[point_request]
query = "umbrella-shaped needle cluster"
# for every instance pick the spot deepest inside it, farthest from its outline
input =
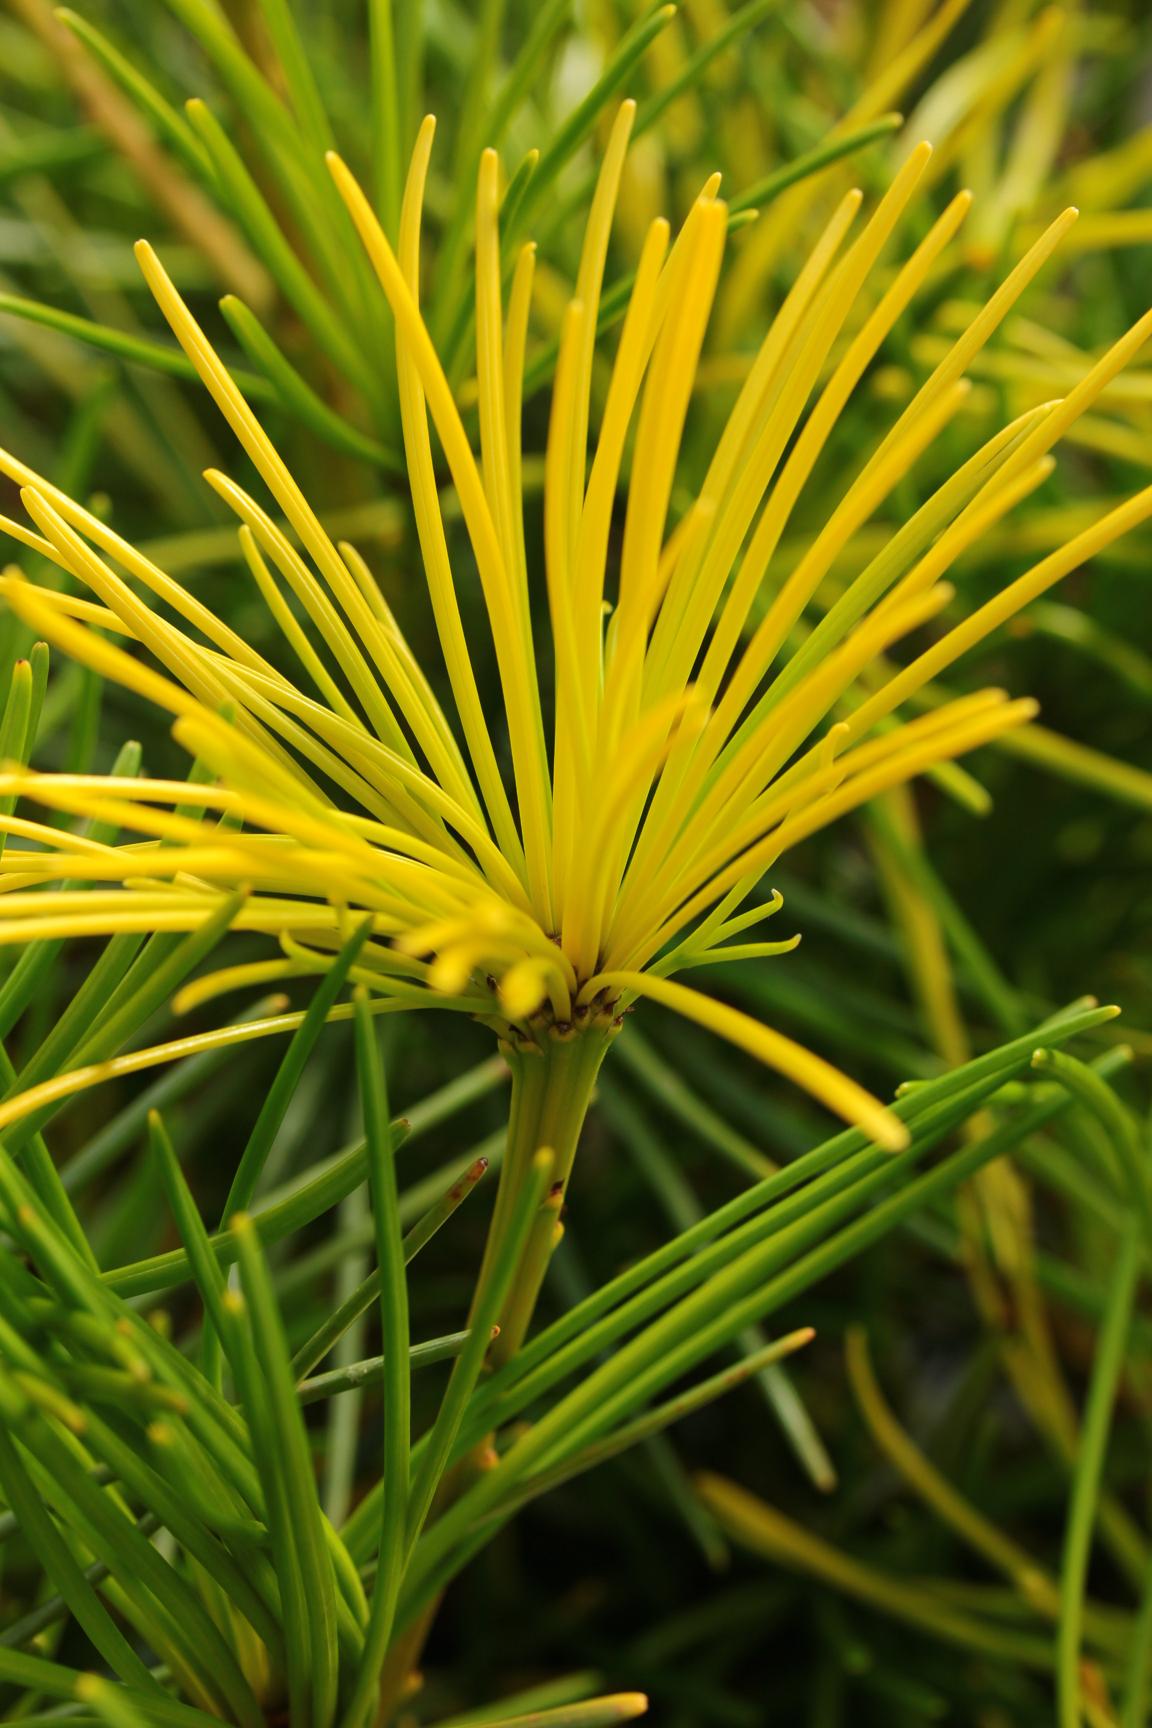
(543, 863)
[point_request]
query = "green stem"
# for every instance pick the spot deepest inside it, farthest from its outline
(552, 1086)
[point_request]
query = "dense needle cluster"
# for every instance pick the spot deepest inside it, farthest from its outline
(712, 710)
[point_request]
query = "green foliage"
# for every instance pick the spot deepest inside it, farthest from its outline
(223, 1259)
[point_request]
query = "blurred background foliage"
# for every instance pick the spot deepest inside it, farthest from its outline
(935, 925)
